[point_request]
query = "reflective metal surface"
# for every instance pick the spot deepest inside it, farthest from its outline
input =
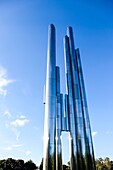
(72, 119)
(89, 152)
(50, 106)
(58, 122)
(68, 113)
(77, 105)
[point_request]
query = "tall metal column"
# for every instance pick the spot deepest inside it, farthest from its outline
(68, 114)
(50, 106)
(72, 121)
(89, 152)
(58, 122)
(77, 104)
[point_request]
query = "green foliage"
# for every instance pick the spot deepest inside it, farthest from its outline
(101, 164)
(12, 164)
(104, 164)
(41, 165)
(29, 165)
(66, 167)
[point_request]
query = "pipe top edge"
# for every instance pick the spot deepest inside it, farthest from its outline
(69, 28)
(52, 26)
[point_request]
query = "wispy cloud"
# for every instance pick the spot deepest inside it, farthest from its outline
(11, 147)
(17, 145)
(14, 130)
(22, 117)
(4, 81)
(94, 133)
(17, 135)
(7, 113)
(15, 124)
(28, 153)
(19, 122)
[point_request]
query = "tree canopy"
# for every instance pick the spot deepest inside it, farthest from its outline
(12, 164)
(104, 164)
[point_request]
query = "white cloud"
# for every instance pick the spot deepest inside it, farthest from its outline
(28, 153)
(17, 133)
(10, 148)
(4, 81)
(7, 113)
(94, 133)
(14, 130)
(22, 117)
(17, 146)
(19, 122)
(3, 92)
(15, 125)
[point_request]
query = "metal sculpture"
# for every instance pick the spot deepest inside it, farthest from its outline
(73, 104)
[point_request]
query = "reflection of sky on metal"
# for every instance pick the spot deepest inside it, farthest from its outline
(65, 147)
(76, 117)
(23, 41)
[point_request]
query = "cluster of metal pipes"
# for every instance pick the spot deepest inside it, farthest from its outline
(68, 113)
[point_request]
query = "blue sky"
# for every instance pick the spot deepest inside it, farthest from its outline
(23, 48)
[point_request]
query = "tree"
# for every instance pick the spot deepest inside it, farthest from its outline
(12, 164)
(68, 163)
(65, 167)
(29, 165)
(104, 164)
(107, 162)
(41, 165)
